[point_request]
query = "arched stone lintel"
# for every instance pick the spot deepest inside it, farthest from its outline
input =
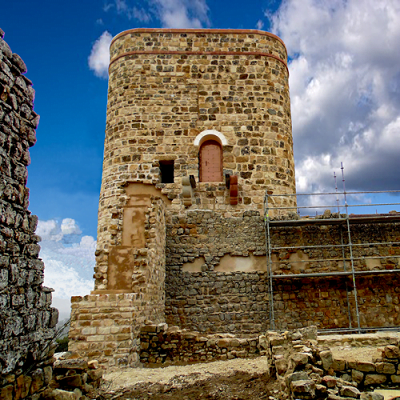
(210, 134)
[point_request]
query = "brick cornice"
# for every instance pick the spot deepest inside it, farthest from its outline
(218, 53)
(217, 31)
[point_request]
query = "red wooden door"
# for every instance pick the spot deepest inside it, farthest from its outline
(210, 162)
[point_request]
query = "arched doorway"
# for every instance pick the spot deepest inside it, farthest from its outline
(210, 161)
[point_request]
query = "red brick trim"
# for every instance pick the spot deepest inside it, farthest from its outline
(218, 31)
(218, 53)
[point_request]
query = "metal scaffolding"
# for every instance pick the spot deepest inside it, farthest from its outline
(288, 216)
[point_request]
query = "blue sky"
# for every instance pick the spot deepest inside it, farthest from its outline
(345, 97)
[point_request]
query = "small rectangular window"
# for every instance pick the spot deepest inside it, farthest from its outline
(167, 171)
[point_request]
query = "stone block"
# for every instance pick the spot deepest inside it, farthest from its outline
(339, 365)
(374, 379)
(299, 359)
(364, 366)
(304, 387)
(385, 368)
(392, 351)
(395, 379)
(47, 374)
(350, 391)
(88, 331)
(296, 376)
(329, 381)
(37, 381)
(326, 358)
(73, 363)
(357, 376)
(6, 392)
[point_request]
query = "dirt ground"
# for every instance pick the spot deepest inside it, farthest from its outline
(237, 379)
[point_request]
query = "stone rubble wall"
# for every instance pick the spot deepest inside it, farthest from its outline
(161, 345)
(105, 326)
(212, 300)
(27, 321)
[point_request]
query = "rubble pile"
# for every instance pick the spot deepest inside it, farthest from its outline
(73, 378)
(308, 371)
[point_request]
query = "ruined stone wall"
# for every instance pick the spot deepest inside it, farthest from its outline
(106, 325)
(216, 279)
(162, 345)
(166, 87)
(27, 322)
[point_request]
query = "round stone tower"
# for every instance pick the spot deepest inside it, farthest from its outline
(200, 118)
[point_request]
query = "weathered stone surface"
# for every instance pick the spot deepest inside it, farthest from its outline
(357, 376)
(374, 379)
(37, 381)
(326, 358)
(350, 391)
(304, 387)
(364, 366)
(371, 396)
(281, 366)
(296, 376)
(329, 381)
(6, 392)
(392, 351)
(385, 368)
(71, 363)
(299, 358)
(339, 365)
(27, 319)
(395, 379)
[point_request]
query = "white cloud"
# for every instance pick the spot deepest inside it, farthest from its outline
(99, 58)
(171, 13)
(345, 90)
(260, 24)
(182, 13)
(69, 227)
(68, 257)
(141, 14)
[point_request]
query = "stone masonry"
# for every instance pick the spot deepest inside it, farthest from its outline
(27, 322)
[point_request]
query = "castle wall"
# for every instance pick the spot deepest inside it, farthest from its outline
(208, 298)
(27, 322)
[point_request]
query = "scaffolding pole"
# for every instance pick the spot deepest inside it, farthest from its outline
(269, 265)
(342, 219)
